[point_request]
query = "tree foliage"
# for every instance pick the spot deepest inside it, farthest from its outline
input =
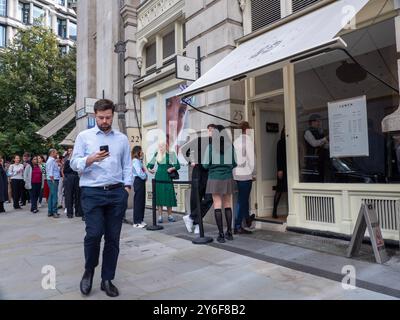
(37, 83)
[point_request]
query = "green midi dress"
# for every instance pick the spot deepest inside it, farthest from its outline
(165, 192)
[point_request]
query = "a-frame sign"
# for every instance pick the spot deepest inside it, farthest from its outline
(368, 218)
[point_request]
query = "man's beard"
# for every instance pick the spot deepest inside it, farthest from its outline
(105, 127)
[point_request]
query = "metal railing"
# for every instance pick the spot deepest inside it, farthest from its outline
(194, 184)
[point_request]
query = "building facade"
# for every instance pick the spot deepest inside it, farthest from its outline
(287, 94)
(58, 15)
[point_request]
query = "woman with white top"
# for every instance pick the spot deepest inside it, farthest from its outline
(244, 175)
(16, 173)
(139, 187)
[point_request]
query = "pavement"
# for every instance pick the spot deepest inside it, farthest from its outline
(166, 265)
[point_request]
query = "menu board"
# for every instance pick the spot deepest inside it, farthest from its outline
(348, 128)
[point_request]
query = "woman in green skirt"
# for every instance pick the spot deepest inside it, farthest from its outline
(165, 192)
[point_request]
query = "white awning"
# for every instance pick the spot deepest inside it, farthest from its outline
(57, 123)
(311, 34)
(69, 140)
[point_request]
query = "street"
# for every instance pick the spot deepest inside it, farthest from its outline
(152, 265)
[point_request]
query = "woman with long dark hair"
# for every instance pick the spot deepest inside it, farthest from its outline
(220, 161)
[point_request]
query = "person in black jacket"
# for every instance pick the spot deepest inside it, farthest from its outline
(3, 186)
(71, 189)
(281, 172)
(201, 174)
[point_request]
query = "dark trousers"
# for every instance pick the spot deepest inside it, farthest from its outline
(2, 206)
(206, 200)
(243, 206)
(17, 186)
(72, 195)
(104, 211)
(139, 200)
(35, 193)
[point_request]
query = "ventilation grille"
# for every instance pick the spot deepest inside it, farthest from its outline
(298, 5)
(320, 209)
(386, 211)
(264, 13)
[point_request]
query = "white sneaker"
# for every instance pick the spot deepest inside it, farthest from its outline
(138, 225)
(196, 229)
(144, 224)
(39, 205)
(188, 223)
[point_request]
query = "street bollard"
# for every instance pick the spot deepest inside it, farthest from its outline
(154, 227)
(202, 239)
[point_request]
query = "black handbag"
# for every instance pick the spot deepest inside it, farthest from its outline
(174, 175)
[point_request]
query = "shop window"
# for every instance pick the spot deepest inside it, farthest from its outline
(264, 13)
(269, 82)
(340, 109)
(169, 45)
(3, 8)
(151, 55)
(298, 5)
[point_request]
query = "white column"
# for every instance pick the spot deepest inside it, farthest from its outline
(31, 13)
(178, 38)
(54, 23)
(16, 14)
(159, 53)
(67, 34)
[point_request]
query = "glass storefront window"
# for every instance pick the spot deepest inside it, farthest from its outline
(269, 82)
(326, 134)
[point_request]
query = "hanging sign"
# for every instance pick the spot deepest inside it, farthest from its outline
(348, 128)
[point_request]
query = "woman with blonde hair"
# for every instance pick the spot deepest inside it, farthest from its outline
(167, 162)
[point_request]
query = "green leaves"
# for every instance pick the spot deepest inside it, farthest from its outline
(36, 84)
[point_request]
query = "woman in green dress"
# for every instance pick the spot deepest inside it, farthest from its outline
(165, 192)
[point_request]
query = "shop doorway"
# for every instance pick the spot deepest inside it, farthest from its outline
(268, 120)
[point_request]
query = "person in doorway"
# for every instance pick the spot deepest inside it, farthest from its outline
(281, 185)
(244, 175)
(316, 149)
(167, 161)
(16, 174)
(220, 184)
(3, 185)
(195, 153)
(139, 187)
(53, 176)
(102, 158)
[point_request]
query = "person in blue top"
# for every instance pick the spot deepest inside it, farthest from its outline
(102, 156)
(53, 176)
(139, 187)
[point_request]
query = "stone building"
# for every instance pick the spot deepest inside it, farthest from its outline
(276, 64)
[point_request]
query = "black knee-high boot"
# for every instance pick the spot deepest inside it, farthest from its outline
(218, 220)
(228, 216)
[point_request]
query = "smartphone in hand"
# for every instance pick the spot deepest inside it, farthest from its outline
(104, 148)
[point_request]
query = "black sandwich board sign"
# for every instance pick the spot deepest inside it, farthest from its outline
(368, 218)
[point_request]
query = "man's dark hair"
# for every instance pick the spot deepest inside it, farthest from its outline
(103, 105)
(211, 125)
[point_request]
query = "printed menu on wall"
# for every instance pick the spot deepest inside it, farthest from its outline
(348, 128)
